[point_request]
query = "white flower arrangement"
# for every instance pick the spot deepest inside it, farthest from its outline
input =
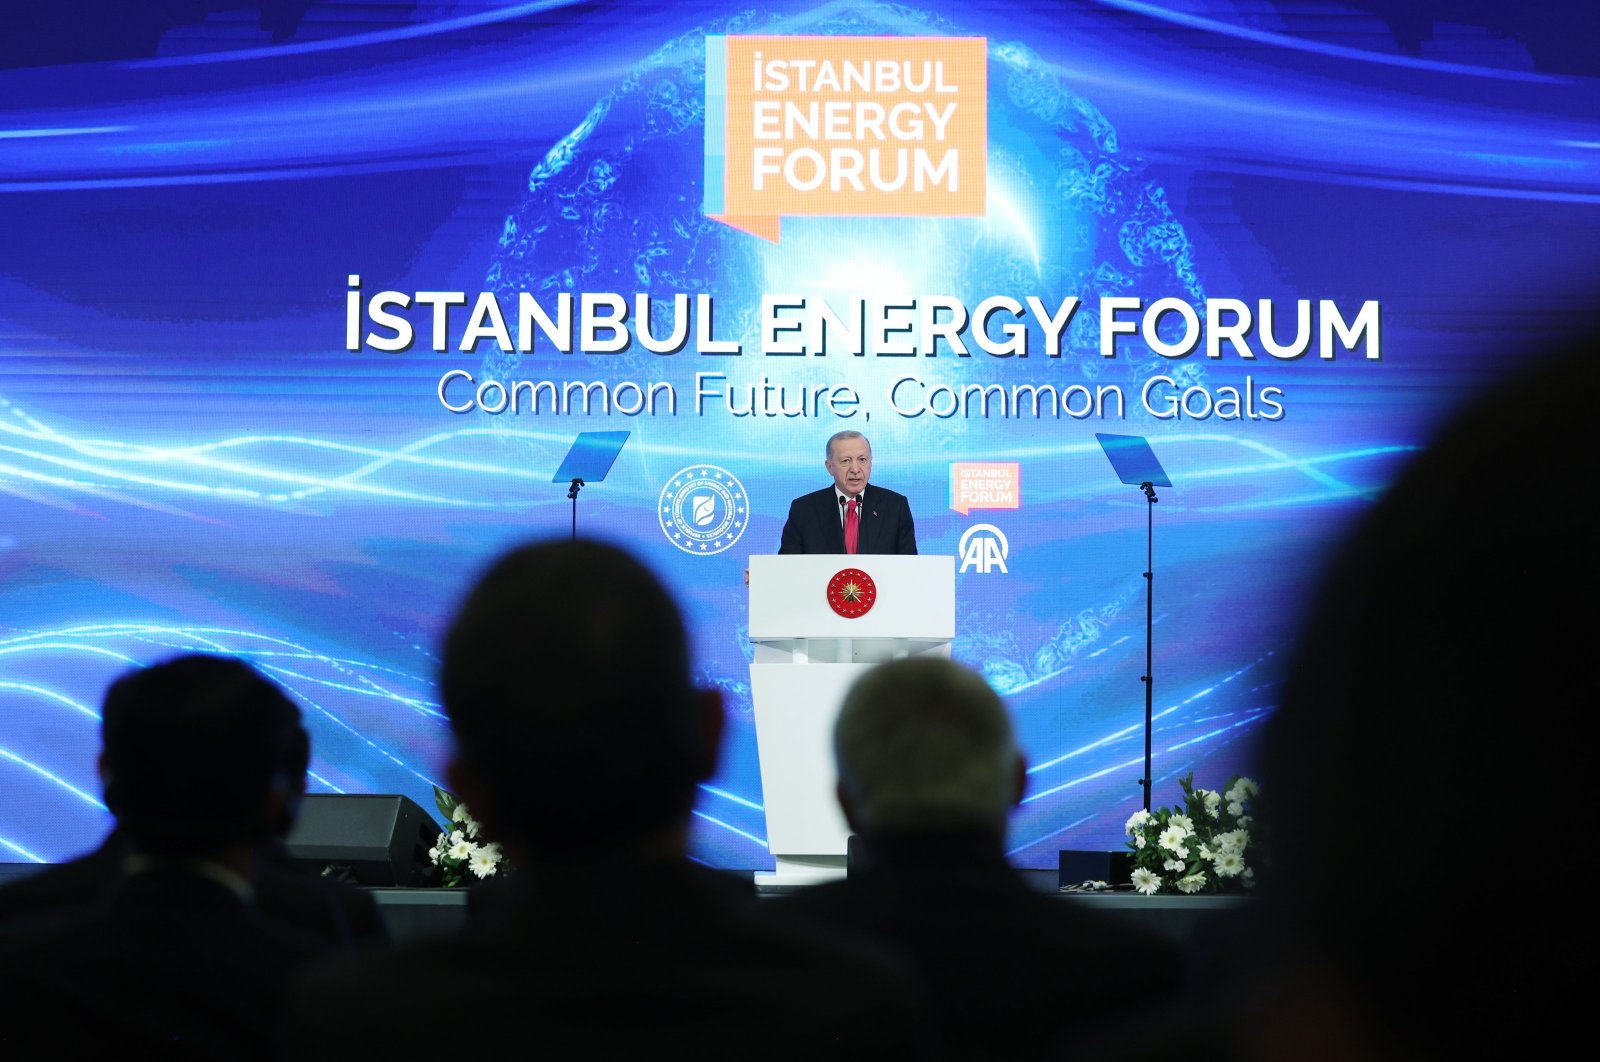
(1204, 846)
(462, 854)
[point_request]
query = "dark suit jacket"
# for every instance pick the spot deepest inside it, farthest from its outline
(1010, 972)
(626, 960)
(814, 525)
(170, 964)
(337, 914)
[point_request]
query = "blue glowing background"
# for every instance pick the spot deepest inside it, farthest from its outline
(190, 461)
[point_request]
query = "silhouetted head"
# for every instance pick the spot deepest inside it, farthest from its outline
(1414, 768)
(924, 744)
(566, 679)
(201, 753)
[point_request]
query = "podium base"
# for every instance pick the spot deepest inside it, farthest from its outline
(799, 871)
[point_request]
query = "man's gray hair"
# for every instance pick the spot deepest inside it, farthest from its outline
(924, 743)
(827, 451)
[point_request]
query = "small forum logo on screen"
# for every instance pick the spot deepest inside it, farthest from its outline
(844, 127)
(985, 485)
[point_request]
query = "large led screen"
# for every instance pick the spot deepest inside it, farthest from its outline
(301, 306)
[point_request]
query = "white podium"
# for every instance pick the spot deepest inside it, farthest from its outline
(806, 657)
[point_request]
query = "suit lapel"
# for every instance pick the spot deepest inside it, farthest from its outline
(833, 525)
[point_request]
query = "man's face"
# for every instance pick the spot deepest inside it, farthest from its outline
(850, 463)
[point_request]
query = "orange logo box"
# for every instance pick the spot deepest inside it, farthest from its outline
(844, 126)
(985, 485)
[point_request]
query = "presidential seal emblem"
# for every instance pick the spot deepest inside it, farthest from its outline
(703, 510)
(852, 593)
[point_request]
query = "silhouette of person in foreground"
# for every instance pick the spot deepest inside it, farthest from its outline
(928, 773)
(1435, 673)
(1419, 816)
(581, 741)
(340, 915)
(174, 959)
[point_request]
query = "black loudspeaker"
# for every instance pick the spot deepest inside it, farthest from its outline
(1113, 868)
(377, 839)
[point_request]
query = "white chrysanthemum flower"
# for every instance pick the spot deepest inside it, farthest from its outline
(1213, 802)
(1182, 822)
(1232, 841)
(1230, 864)
(1192, 883)
(1136, 820)
(1173, 865)
(1172, 838)
(1146, 882)
(471, 826)
(1206, 852)
(461, 848)
(1138, 840)
(484, 862)
(1245, 822)
(1235, 808)
(459, 814)
(433, 854)
(1242, 790)
(456, 837)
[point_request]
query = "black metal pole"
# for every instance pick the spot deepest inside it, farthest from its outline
(1148, 678)
(572, 492)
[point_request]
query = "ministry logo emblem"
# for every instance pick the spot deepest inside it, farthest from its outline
(703, 510)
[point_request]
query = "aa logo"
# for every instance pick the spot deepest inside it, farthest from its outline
(984, 549)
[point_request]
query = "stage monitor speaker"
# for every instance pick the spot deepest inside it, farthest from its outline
(1113, 868)
(377, 839)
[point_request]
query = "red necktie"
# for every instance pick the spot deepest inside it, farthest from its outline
(852, 526)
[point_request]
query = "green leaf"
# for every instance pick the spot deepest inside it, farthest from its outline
(446, 804)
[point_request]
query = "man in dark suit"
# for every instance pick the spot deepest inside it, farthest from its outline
(851, 516)
(581, 741)
(174, 958)
(928, 772)
(338, 914)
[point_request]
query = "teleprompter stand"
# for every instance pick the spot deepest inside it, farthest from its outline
(1135, 464)
(590, 459)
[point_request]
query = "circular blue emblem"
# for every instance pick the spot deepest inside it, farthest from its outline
(703, 509)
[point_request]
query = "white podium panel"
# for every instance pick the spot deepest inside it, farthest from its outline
(794, 735)
(806, 658)
(916, 598)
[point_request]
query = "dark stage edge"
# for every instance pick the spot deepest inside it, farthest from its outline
(429, 914)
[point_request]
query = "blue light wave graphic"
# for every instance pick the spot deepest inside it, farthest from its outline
(136, 471)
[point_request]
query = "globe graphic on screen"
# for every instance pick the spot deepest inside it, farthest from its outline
(616, 206)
